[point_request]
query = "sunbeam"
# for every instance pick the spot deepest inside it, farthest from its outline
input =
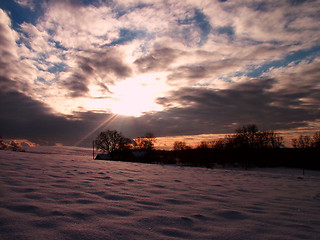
(105, 122)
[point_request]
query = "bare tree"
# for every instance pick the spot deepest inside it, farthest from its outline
(203, 145)
(303, 141)
(146, 142)
(220, 144)
(268, 139)
(111, 140)
(249, 137)
(245, 136)
(316, 140)
(180, 145)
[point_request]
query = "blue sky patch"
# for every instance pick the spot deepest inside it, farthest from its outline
(228, 30)
(20, 14)
(126, 35)
(58, 67)
(200, 21)
(119, 12)
(294, 57)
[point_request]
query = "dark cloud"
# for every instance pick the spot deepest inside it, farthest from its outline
(298, 2)
(110, 61)
(269, 103)
(5, 84)
(187, 111)
(77, 84)
(159, 59)
(105, 66)
(22, 117)
(7, 44)
(215, 68)
(190, 72)
(202, 71)
(194, 111)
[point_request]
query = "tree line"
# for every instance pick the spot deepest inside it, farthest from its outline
(307, 141)
(249, 137)
(111, 141)
(247, 147)
(245, 137)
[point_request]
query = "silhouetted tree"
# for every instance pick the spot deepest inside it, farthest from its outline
(305, 141)
(111, 140)
(316, 140)
(229, 141)
(219, 144)
(268, 139)
(180, 146)
(250, 137)
(246, 136)
(216, 144)
(146, 142)
(203, 145)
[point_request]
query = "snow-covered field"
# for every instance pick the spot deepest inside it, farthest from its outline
(67, 195)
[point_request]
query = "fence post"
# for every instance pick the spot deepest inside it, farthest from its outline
(93, 150)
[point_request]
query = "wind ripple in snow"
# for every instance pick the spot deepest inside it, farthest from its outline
(65, 196)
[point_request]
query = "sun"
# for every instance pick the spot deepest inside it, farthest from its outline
(130, 97)
(135, 96)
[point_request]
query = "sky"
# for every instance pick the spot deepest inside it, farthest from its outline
(70, 69)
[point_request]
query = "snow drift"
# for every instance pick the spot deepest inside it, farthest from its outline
(64, 194)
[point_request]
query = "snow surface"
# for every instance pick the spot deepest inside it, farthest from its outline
(67, 195)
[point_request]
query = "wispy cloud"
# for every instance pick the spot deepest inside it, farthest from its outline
(26, 3)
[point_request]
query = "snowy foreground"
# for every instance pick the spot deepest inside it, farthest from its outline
(67, 195)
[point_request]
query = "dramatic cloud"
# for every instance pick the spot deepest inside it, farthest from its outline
(158, 60)
(104, 67)
(171, 67)
(223, 110)
(8, 48)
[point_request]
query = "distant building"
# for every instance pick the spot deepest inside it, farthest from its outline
(103, 156)
(139, 154)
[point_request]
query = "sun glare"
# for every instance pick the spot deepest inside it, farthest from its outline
(135, 96)
(130, 97)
